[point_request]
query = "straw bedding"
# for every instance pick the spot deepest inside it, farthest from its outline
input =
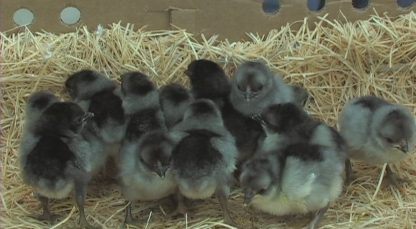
(334, 63)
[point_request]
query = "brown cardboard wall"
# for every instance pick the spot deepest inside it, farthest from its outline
(230, 19)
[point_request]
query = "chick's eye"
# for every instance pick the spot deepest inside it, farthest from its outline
(167, 162)
(262, 191)
(389, 140)
(70, 90)
(240, 87)
(258, 88)
(79, 120)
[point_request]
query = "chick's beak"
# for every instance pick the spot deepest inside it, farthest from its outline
(87, 116)
(247, 94)
(259, 119)
(404, 146)
(161, 170)
(248, 197)
(123, 78)
(187, 72)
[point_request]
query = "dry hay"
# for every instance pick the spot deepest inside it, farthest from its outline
(335, 63)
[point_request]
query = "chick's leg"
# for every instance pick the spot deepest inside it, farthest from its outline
(129, 217)
(222, 195)
(348, 171)
(46, 214)
(393, 178)
(317, 218)
(80, 194)
(180, 207)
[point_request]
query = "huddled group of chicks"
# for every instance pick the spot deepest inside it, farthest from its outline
(251, 131)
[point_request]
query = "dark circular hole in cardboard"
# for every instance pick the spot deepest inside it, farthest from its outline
(271, 6)
(405, 3)
(316, 5)
(360, 4)
(70, 15)
(23, 17)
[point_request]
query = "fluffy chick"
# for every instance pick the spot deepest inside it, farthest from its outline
(209, 81)
(255, 87)
(299, 179)
(145, 169)
(48, 162)
(37, 103)
(98, 94)
(204, 158)
(378, 132)
(174, 99)
(287, 123)
(145, 153)
(141, 105)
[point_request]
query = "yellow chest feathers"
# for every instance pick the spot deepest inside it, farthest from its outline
(280, 204)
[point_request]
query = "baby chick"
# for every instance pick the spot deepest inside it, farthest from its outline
(209, 81)
(255, 87)
(97, 94)
(145, 169)
(36, 104)
(146, 150)
(378, 132)
(299, 179)
(204, 158)
(287, 123)
(174, 99)
(141, 105)
(48, 162)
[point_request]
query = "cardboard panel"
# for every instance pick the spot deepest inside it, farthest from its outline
(47, 14)
(185, 18)
(230, 19)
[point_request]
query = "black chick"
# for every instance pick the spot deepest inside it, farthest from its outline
(48, 162)
(98, 94)
(209, 81)
(204, 158)
(174, 100)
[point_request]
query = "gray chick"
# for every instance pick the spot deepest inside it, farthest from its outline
(377, 132)
(48, 162)
(204, 158)
(98, 94)
(146, 151)
(141, 105)
(255, 87)
(299, 179)
(287, 123)
(174, 100)
(145, 169)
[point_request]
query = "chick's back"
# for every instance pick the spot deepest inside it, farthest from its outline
(195, 156)
(48, 161)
